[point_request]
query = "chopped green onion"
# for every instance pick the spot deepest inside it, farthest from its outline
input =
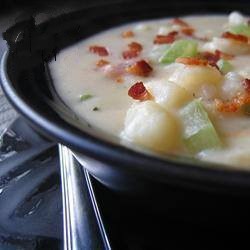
(96, 109)
(85, 97)
(180, 48)
(241, 29)
(224, 66)
(199, 132)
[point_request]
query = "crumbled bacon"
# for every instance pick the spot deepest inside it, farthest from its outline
(188, 31)
(135, 46)
(128, 54)
(134, 50)
(139, 92)
(186, 28)
(233, 105)
(139, 68)
(169, 38)
(238, 38)
(213, 58)
(128, 34)
(192, 61)
(101, 51)
(246, 85)
(180, 22)
(102, 63)
(210, 57)
(226, 107)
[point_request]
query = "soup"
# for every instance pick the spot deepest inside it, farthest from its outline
(173, 86)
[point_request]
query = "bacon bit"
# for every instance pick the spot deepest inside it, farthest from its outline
(238, 38)
(102, 63)
(234, 105)
(135, 46)
(128, 34)
(140, 68)
(139, 92)
(180, 22)
(246, 85)
(101, 51)
(213, 58)
(169, 38)
(226, 107)
(210, 57)
(186, 28)
(192, 61)
(128, 54)
(134, 50)
(188, 31)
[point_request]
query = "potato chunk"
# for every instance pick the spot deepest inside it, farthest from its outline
(167, 94)
(148, 124)
(192, 77)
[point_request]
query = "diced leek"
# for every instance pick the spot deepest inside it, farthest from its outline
(224, 66)
(199, 133)
(241, 29)
(180, 48)
(85, 97)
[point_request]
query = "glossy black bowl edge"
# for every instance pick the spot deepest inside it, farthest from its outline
(120, 158)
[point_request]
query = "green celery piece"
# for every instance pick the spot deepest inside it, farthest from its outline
(85, 97)
(224, 66)
(241, 29)
(180, 48)
(199, 132)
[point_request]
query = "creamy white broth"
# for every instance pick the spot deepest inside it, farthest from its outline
(75, 73)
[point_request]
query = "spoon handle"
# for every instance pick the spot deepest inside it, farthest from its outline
(83, 227)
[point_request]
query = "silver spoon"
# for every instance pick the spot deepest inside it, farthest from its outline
(82, 224)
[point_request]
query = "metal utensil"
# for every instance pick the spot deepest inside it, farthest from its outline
(83, 227)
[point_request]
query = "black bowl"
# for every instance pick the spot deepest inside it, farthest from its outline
(27, 84)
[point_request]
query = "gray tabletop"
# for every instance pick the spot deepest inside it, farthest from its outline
(7, 113)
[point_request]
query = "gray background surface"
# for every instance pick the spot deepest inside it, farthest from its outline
(7, 113)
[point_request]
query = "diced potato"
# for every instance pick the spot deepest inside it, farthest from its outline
(164, 30)
(142, 27)
(228, 46)
(149, 125)
(245, 72)
(207, 92)
(169, 95)
(232, 85)
(193, 77)
(236, 18)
